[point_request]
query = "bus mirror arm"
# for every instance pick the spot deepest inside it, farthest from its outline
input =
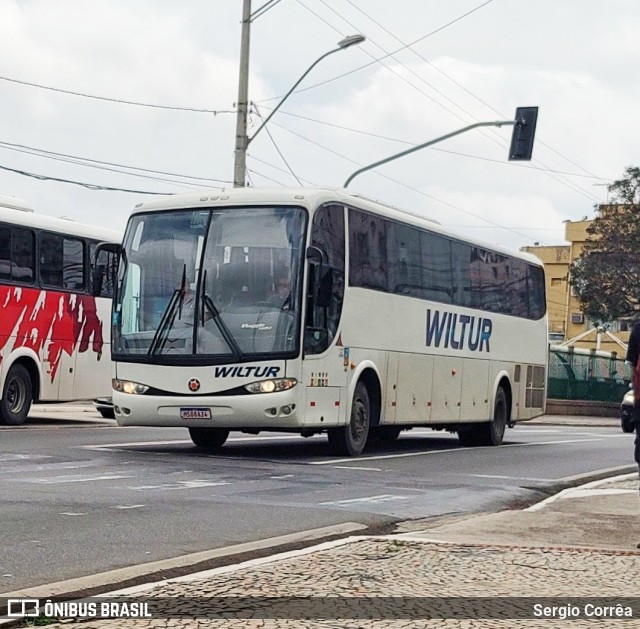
(325, 288)
(97, 275)
(315, 255)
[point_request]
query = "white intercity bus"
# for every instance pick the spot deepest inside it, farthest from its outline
(56, 307)
(317, 310)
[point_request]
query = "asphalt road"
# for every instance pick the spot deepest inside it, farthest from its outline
(82, 499)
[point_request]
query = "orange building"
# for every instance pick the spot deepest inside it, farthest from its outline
(567, 322)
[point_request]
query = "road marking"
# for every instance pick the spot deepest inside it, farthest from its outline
(123, 507)
(107, 446)
(368, 500)
(47, 467)
(456, 449)
(540, 480)
(72, 513)
(355, 467)
(54, 480)
(183, 484)
(281, 477)
(129, 444)
(22, 457)
(620, 435)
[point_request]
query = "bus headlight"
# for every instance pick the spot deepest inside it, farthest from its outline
(126, 386)
(271, 386)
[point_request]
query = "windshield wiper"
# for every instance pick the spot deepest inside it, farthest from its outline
(207, 303)
(168, 317)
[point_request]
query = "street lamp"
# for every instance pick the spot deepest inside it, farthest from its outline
(242, 140)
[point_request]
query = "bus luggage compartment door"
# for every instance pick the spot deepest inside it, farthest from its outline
(323, 407)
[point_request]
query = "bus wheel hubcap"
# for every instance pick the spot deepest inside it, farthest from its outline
(16, 395)
(359, 420)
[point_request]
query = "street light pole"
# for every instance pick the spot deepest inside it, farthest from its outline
(240, 162)
(242, 140)
(497, 123)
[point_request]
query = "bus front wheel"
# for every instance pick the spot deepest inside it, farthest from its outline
(351, 439)
(209, 439)
(17, 396)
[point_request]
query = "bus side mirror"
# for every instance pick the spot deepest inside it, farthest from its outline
(316, 256)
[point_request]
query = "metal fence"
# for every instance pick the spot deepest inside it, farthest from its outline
(582, 374)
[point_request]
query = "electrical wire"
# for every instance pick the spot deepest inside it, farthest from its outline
(281, 170)
(277, 149)
(119, 101)
(90, 186)
(441, 150)
(102, 165)
(408, 187)
(490, 135)
(460, 86)
(260, 11)
(441, 28)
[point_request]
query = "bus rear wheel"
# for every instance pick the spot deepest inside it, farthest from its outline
(488, 433)
(209, 439)
(17, 396)
(351, 439)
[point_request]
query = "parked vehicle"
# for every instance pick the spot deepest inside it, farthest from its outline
(55, 291)
(626, 407)
(104, 406)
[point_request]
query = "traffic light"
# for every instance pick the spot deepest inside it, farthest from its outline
(524, 131)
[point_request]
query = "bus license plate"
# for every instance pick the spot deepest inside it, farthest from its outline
(195, 413)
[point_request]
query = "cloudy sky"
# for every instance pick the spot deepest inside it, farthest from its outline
(70, 69)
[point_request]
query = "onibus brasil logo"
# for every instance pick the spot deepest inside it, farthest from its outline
(96, 608)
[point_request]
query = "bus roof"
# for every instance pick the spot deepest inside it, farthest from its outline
(26, 217)
(312, 197)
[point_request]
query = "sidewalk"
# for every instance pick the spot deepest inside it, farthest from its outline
(579, 543)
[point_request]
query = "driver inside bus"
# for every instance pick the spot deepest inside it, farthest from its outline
(282, 296)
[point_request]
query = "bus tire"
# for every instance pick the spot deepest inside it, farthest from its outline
(494, 431)
(209, 439)
(351, 439)
(487, 433)
(17, 396)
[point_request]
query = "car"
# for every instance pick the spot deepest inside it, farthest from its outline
(104, 406)
(626, 412)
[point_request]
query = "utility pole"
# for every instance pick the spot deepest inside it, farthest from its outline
(240, 161)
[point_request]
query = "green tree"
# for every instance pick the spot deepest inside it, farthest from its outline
(606, 275)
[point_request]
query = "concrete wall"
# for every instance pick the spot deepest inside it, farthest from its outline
(583, 408)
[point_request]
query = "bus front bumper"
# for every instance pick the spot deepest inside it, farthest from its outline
(253, 411)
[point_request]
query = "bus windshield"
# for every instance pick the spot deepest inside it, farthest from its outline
(218, 283)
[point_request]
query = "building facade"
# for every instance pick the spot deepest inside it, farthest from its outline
(567, 322)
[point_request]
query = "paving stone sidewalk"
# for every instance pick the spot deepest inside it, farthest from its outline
(405, 580)
(386, 577)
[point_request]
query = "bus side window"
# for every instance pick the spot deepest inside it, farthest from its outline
(16, 254)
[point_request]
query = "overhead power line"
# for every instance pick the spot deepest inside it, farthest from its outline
(559, 178)
(441, 150)
(90, 186)
(110, 166)
(120, 101)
